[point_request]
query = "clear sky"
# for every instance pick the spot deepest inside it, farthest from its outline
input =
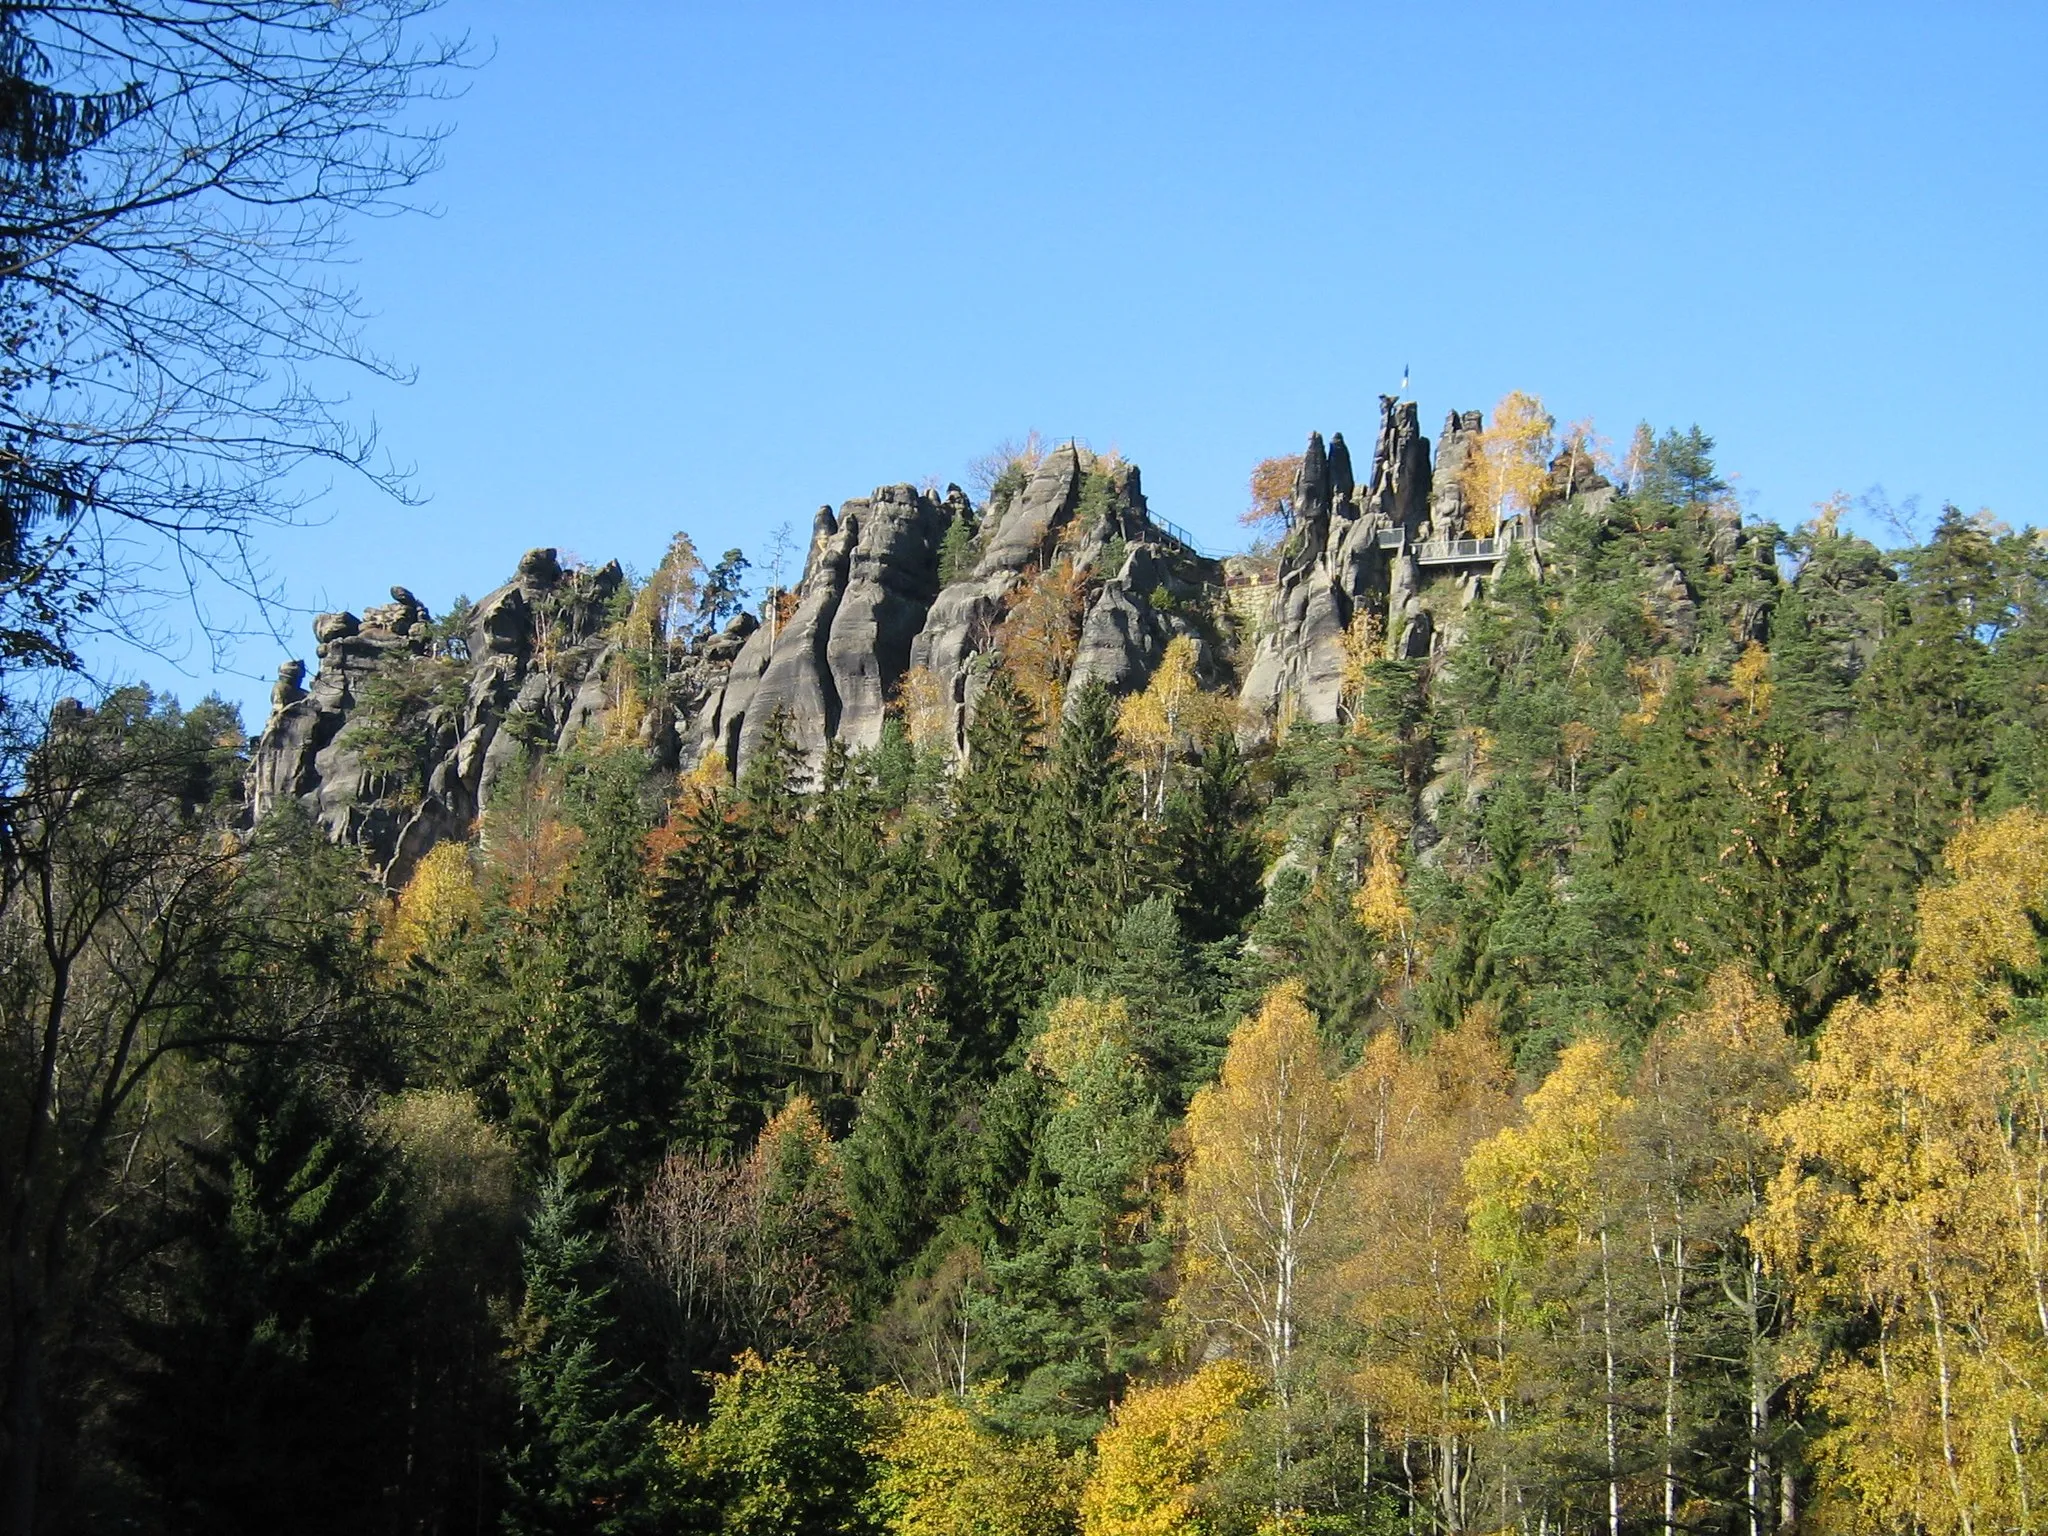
(707, 266)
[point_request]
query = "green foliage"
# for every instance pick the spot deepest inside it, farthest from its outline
(904, 1154)
(781, 1453)
(829, 955)
(584, 1460)
(1072, 1303)
(876, 1069)
(272, 1383)
(448, 636)
(958, 550)
(400, 709)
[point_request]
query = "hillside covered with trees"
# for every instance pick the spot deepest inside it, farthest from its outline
(1515, 1005)
(1592, 1083)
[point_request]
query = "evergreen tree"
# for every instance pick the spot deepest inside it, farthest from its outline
(828, 954)
(1073, 1303)
(271, 1388)
(1084, 854)
(903, 1156)
(1178, 1025)
(714, 854)
(978, 871)
(1211, 845)
(584, 1463)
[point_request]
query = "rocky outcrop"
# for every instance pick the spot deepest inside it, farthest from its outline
(835, 663)
(407, 726)
(1449, 508)
(1348, 560)
(397, 741)
(1134, 580)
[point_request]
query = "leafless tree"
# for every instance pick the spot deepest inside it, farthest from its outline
(130, 935)
(175, 181)
(733, 1254)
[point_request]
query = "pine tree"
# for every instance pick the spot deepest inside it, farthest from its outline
(270, 1394)
(584, 1463)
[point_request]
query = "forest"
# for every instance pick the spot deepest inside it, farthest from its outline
(1597, 1083)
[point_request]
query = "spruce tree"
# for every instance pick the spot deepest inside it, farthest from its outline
(1073, 1305)
(979, 854)
(829, 953)
(1178, 1025)
(1084, 857)
(903, 1157)
(584, 1462)
(270, 1384)
(1212, 846)
(717, 851)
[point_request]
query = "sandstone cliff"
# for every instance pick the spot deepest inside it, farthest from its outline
(402, 733)
(407, 723)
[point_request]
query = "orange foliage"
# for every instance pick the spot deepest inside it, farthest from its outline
(1272, 492)
(529, 847)
(1041, 634)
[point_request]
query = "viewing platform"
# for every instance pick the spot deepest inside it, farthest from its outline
(1453, 551)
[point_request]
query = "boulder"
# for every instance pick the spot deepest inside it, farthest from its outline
(330, 627)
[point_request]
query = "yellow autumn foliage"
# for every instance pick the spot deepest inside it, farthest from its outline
(1981, 926)
(927, 710)
(1078, 1031)
(1041, 634)
(1170, 716)
(1380, 904)
(437, 902)
(1505, 471)
(941, 1471)
(1536, 1186)
(1910, 1197)
(1269, 1148)
(1161, 1449)
(1751, 676)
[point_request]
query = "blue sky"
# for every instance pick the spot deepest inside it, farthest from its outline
(708, 266)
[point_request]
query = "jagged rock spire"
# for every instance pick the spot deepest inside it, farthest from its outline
(1312, 481)
(1342, 482)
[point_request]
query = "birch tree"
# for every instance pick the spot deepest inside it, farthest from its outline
(1270, 1143)
(1914, 1199)
(1544, 1210)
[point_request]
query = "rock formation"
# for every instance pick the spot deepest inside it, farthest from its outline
(1349, 558)
(407, 725)
(396, 742)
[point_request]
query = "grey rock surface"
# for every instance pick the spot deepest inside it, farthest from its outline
(544, 660)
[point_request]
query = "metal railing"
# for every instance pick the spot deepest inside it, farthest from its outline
(1460, 551)
(1451, 551)
(1174, 531)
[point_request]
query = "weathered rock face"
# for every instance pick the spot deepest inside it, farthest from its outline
(1448, 507)
(396, 742)
(1134, 578)
(1350, 558)
(868, 583)
(407, 725)
(405, 729)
